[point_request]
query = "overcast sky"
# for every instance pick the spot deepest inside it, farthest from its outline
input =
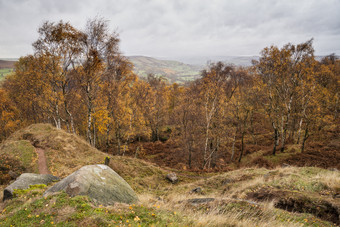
(181, 28)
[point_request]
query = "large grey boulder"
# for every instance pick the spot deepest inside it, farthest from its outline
(99, 182)
(25, 180)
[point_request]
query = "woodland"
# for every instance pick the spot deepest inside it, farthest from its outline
(79, 81)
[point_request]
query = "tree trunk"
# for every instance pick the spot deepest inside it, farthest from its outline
(118, 142)
(138, 148)
(89, 122)
(242, 146)
(214, 157)
(205, 149)
(71, 121)
(293, 129)
(136, 153)
(58, 120)
(299, 131)
(233, 147)
(94, 134)
(107, 136)
(252, 130)
(284, 134)
(276, 137)
(305, 137)
(190, 157)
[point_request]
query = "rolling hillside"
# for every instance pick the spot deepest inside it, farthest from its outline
(185, 69)
(6, 67)
(174, 71)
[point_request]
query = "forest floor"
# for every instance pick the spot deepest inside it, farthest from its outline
(325, 154)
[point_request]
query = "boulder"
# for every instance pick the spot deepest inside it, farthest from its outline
(200, 200)
(172, 177)
(25, 180)
(196, 190)
(99, 182)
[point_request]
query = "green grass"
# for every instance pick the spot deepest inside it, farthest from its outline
(23, 152)
(29, 208)
(4, 72)
(174, 71)
(61, 210)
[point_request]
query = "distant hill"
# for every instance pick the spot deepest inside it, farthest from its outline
(180, 70)
(5, 64)
(235, 60)
(174, 71)
(6, 67)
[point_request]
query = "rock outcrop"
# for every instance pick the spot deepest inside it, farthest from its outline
(25, 180)
(99, 182)
(172, 177)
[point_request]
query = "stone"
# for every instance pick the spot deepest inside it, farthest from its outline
(99, 182)
(196, 190)
(200, 200)
(285, 165)
(227, 181)
(172, 177)
(25, 180)
(269, 175)
(107, 161)
(13, 174)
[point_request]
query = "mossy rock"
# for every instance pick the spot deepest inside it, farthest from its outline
(99, 182)
(25, 181)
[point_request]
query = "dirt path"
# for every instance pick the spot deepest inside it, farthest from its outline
(42, 163)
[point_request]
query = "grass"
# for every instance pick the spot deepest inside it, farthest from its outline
(172, 70)
(230, 208)
(21, 154)
(4, 72)
(279, 156)
(161, 203)
(31, 209)
(61, 210)
(65, 152)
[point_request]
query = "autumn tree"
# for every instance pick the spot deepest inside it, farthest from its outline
(242, 106)
(60, 44)
(117, 81)
(156, 105)
(187, 116)
(29, 91)
(9, 115)
(280, 74)
(218, 85)
(98, 46)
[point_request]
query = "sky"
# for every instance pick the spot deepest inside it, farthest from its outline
(180, 28)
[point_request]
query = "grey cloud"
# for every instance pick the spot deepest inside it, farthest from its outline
(181, 28)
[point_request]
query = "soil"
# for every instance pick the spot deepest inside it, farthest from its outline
(322, 209)
(42, 163)
(291, 202)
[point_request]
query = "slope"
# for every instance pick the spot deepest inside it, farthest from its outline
(293, 196)
(66, 153)
(174, 71)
